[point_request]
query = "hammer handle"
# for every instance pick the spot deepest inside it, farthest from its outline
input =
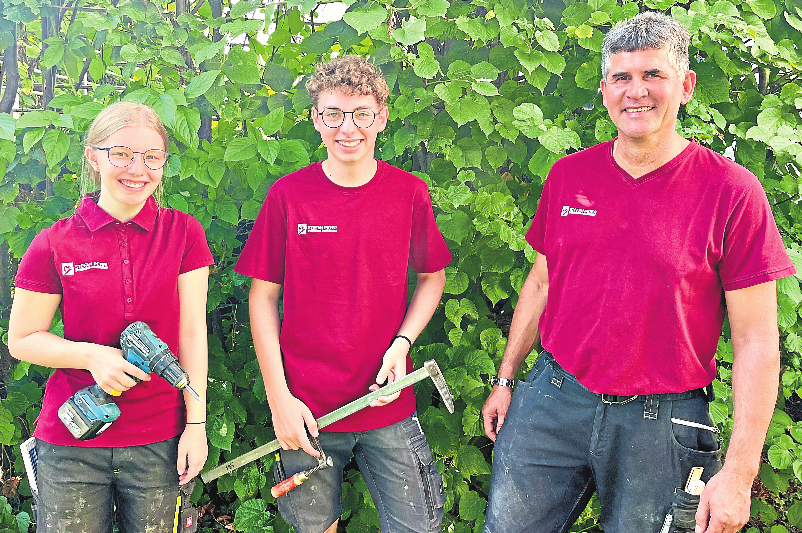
(323, 421)
(288, 484)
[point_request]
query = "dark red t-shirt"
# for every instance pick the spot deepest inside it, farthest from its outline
(111, 274)
(638, 267)
(342, 254)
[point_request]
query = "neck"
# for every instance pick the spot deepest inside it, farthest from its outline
(350, 175)
(640, 158)
(123, 213)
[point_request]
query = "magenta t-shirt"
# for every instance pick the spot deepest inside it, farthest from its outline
(110, 274)
(638, 267)
(342, 254)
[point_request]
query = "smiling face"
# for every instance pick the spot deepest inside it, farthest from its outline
(349, 145)
(643, 92)
(124, 190)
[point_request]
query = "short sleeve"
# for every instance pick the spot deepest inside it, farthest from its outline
(428, 250)
(37, 271)
(196, 251)
(536, 234)
(265, 250)
(753, 249)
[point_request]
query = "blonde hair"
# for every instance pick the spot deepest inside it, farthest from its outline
(113, 118)
(350, 74)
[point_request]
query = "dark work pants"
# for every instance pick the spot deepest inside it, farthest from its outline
(561, 442)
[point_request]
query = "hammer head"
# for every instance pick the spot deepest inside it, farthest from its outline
(440, 382)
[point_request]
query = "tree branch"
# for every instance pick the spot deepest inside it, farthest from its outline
(11, 71)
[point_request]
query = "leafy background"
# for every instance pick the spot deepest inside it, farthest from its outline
(486, 95)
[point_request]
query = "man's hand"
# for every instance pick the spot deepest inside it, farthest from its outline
(725, 502)
(394, 367)
(192, 452)
(290, 415)
(495, 410)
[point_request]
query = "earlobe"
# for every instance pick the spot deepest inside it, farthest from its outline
(688, 86)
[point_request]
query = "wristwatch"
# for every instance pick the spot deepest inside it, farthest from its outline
(504, 382)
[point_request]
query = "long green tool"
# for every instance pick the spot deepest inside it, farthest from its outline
(429, 370)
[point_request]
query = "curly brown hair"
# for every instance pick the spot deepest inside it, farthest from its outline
(350, 74)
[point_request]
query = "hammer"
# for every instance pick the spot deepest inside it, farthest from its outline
(429, 370)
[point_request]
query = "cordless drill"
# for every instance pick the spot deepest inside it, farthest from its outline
(90, 411)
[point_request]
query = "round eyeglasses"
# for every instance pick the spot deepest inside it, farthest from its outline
(122, 156)
(334, 118)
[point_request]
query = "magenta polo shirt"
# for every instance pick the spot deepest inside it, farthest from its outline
(111, 274)
(342, 254)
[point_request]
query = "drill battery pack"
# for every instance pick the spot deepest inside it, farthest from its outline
(88, 413)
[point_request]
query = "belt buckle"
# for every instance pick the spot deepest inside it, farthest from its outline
(610, 402)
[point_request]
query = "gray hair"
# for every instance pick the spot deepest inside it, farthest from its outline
(648, 30)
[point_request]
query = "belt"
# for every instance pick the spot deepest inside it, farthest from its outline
(615, 399)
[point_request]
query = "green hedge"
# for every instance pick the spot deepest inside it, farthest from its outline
(485, 96)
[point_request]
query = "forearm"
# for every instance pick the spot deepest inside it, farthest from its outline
(754, 386)
(423, 304)
(193, 358)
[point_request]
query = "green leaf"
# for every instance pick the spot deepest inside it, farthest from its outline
(228, 212)
(484, 88)
(470, 461)
(713, 85)
(292, 151)
(187, 124)
(548, 40)
(243, 8)
(176, 201)
(456, 281)
(365, 21)
(764, 9)
(795, 514)
(240, 149)
(36, 119)
(558, 140)
(30, 138)
(53, 55)
(471, 506)
(252, 516)
(220, 432)
(426, 66)
(554, 62)
(272, 122)
(779, 457)
(6, 426)
(207, 51)
(431, 8)
(242, 66)
(7, 126)
(269, 150)
(8, 218)
(455, 226)
(495, 287)
(477, 362)
(200, 84)
(412, 31)
(588, 76)
(55, 143)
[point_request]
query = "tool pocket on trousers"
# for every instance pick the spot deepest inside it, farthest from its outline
(683, 510)
(692, 427)
(432, 481)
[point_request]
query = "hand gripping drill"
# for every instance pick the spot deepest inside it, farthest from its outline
(90, 411)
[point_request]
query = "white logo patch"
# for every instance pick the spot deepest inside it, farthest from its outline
(303, 229)
(70, 269)
(568, 210)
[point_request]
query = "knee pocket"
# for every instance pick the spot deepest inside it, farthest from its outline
(432, 482)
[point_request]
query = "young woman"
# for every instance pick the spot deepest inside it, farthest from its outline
(120, 258)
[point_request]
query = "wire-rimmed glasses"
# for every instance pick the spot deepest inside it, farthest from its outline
(333, 117)
(122, 156)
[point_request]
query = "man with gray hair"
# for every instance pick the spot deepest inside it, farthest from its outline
(651, 239)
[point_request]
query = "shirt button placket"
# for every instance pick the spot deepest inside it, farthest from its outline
(127, 270)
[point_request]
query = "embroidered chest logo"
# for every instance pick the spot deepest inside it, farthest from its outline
(303, 229)
(568, 210)
(70, 269)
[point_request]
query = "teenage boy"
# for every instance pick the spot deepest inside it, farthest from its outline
(339, 237)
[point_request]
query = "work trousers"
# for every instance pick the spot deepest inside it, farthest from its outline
(561, 443)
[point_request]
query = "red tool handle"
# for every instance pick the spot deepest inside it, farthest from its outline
(288, 484)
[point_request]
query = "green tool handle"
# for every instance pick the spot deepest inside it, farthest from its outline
(323, 421)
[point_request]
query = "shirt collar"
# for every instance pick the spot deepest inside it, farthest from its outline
(95, 218)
